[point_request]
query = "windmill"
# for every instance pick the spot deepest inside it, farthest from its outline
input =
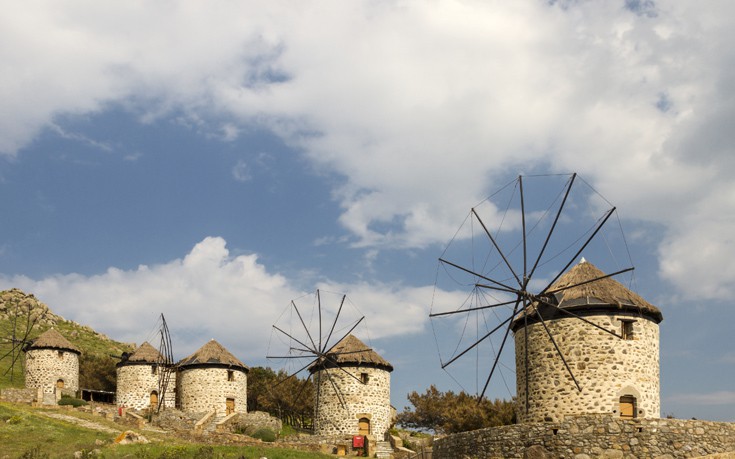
(319, 340)
(22, 320)
(164, 363)
(509, 257)
(145, 375)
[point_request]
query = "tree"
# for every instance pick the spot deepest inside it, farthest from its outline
(447, 412)
(97, 372)
(290, 399)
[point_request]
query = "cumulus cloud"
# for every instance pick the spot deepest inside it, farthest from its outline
(209, 294)
(422, 107)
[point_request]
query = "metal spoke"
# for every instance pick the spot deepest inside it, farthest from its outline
(478, 308)
(505, 288)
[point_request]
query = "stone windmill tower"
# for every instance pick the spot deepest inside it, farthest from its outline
(212, 379)
(52, 364)
(138, 379)
(353, 387)
(615, 374)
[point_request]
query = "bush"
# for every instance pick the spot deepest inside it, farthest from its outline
(265, 434)
(66, 400)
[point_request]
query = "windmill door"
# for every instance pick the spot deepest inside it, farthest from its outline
(230, 406)
(363, 426)
(627, 407)
(60, 384)
(154, 399)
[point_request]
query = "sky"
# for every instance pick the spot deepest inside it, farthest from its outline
(213, 161)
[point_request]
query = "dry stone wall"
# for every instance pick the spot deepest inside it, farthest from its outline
(135, 383)
(45, 367)
(201, 390)
(371, 401)
(605, 366)
(592, 436)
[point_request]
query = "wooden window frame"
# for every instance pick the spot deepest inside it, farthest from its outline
(626, 329)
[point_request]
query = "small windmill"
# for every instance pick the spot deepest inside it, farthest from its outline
(313, 341)
(165, 363)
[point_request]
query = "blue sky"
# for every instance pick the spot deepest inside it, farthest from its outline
(213, 161)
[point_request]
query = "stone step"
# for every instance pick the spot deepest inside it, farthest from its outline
(383, 449)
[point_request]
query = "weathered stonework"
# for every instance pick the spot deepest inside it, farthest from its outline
(340, 411)
(605, 366)
(593, 436)
(212, 379)
(136, 382)
(204, 389)
(45, 368)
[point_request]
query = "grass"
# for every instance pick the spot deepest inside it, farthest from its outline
(26, 433)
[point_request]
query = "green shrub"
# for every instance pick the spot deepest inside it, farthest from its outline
(288, 430)
(66, 400)
(265, 434)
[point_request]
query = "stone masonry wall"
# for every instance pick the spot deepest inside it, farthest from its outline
(135, 384)
(201, 390)
(371, 400)
(44, 367)
(15, 395)
(605, 366)
(592, 436)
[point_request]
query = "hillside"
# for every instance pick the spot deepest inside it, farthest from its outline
(19, 309)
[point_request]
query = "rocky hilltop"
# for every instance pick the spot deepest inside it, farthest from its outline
(20, 310)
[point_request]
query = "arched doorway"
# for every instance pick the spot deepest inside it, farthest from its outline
(154, 399)
(363, 426)
(59, 383)
(628, 407)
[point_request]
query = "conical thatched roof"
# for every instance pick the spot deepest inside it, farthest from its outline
(350, 351)
(601, 294)
(145, 354)
(51, 339)
(213, 354)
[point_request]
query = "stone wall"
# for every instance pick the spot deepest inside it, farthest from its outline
(371, 401)
(592, 436)
(605, 366)
(201, 390)
(14, 395)
(136, 382)
(44, 367)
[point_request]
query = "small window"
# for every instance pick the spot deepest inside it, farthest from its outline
(154, 369)
(230, 375)
(364, 378)
(61, 354)
(626, 329)
(60, 384)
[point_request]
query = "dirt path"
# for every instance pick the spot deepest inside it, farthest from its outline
(82, 422)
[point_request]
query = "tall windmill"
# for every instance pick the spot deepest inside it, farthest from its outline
(508, 257)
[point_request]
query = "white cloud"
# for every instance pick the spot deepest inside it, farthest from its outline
(209, 294)
(422, 106)
(241, 171)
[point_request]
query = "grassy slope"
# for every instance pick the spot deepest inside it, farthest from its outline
(25, 432)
